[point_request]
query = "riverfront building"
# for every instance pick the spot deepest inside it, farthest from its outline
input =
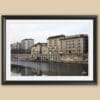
(69, 48)
(54, 47)
(39, 51)
(74, 48)
(54, 44)
(58, 48)
(76, 44)
(27, 44)
(16, 46)
(23, 47)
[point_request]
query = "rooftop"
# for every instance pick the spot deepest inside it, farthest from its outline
(57, 36)
(43, 44)
(76, 36)
(27, 39)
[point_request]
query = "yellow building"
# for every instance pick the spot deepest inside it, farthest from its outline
(39, 51)
(54, 47)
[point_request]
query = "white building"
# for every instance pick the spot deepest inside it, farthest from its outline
(27, 43)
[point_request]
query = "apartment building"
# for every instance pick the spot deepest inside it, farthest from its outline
(39, 51)
(27, 43)
(15, 46)
(76, 44)
(54, 44)
(54, 47)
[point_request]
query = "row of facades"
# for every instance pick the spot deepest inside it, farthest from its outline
(58, 48)
(25, 44)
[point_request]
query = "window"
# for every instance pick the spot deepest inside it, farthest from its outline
(50, 42)
(69, 51)
(55, 42)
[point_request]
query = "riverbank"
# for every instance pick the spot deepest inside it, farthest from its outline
(68, 59)
(66, 62)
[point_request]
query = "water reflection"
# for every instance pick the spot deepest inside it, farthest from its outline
(48, 68)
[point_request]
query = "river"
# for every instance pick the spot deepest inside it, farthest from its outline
(48, 68)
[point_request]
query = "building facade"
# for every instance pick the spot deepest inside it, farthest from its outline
(74, 48)
(54, 47)
(58, 48)
(39, 51)
(77, 44)
(16, 46)
(27, 43)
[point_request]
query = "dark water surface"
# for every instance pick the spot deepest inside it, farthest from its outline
(48, 68)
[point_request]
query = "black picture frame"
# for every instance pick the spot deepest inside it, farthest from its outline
(23, 82)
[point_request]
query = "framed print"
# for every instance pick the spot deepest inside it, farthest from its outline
(49, 49)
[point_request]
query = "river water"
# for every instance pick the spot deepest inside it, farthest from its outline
(48, 68)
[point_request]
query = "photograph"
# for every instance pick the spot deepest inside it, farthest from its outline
(54, 49)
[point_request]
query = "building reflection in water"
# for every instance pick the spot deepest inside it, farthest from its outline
(51, 69)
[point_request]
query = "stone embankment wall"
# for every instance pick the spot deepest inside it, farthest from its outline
(72, 58)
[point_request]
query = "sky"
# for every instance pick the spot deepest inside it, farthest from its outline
(40, 30)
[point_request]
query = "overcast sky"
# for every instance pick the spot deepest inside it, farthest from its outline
(40, 30)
